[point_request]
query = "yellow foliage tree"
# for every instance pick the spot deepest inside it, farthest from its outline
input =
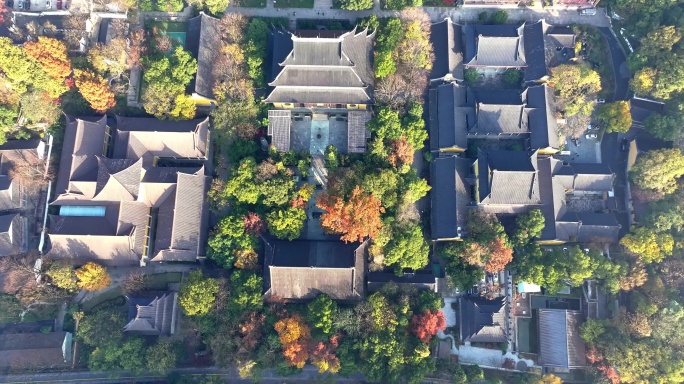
(291, 329)
(643, 81)
(550, 379)
(93, 277)
(95, 90)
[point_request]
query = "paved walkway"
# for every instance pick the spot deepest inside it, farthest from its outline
(323, 10)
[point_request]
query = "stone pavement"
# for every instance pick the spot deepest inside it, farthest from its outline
(323, 10)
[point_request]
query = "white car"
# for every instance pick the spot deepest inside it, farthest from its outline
(591, 136)
(600, 101)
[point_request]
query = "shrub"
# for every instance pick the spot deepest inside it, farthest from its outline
(512, 77)
(482, 17)
(470, 75)
(499, 17)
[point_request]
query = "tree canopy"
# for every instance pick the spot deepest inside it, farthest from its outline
(617, 116)
(658, 170)
(576, 86)
(197, 293)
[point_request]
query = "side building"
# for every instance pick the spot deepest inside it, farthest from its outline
(131, 193)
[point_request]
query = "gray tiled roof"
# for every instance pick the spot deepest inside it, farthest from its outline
(83, 140)
(332, 95)
(501, 119)
(449, 195)
(542, 119)
(560, 344)
(419, 280)
(584, 176)
(535, 51)
(332, 70)
(203, 40)
(155, 317)
(137, 192)
(482, 320)
(34, 349)
(586, 227)
(447, 45)
(303, 269)
(508, 178)
(452, 114)
(504, 52)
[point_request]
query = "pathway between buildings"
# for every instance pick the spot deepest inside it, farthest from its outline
(323, 10)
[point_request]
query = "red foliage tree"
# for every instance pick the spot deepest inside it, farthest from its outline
(426, 325)
(610, 373)
(593, 355)
(3, 12)
(323, 356)
(251, 329)
(499, 256)
(355, 219)
(254, 224)
(295, 336)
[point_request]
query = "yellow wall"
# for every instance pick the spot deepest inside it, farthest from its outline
(455, 149)
(550, 242)
(548, 151)
(201, 101)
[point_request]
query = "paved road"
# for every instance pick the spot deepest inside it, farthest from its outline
(619, 65)
(323, 10)
(617, 160)
(309, 375)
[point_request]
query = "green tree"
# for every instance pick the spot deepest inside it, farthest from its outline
(643, 81)
(113, 357)
(197, 293)
(228, 236)
(216, 7)
(407, 247)
(473, 372)
(577, 86)
(101, 328)
(664, 126)
(658, 170)
(255, 50)
(246, 292)
(286, 223)
(321, 315)
(470, 75)
(512, 77)
(528, 226)
(648, 245)
(356, 5)
(384, 185)
(499, 17)
(165, 79)
(165, 355)
(413, 188)
(617, 116)
(459, 274)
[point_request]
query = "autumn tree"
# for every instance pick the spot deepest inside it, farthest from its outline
(356, 218)
(51, 54)
(323, 356)
(617, 116)
(424, 326)
(648, 245)
(577, 86)
(95, 90)
(109, 58)
(401, 154)
(658, 170)
(62, 274)
(246, 259)
(254, 224)
(294, 335)
(136, 48)
(500, 254)
(286, 223)
(197, 293)
(93, 277)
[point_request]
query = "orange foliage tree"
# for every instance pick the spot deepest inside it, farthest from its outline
(254, 224)
(500, 255)
(295, 335)
(426, 325)
(95, 90)
(401, 153)
(355, 219)
(52, 56)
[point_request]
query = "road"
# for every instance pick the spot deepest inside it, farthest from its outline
(619, 65)
(617, 160)
(309, 375)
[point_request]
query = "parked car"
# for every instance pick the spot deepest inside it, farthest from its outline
(316, 215)
(20, 5)
(591, 136)
(59, 4)
(590, 127)
(587, 11)
(600, 101)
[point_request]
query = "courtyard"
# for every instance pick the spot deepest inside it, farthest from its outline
(314, 132)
